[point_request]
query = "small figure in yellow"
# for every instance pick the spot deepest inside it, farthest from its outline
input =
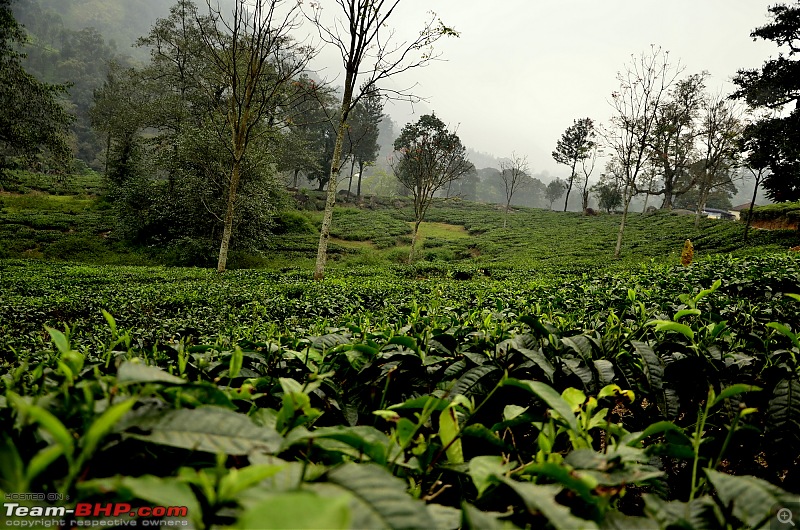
(687, 254)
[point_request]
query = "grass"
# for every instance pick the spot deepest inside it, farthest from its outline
(447, 231)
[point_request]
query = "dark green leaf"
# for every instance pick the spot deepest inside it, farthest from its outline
(752, 498)
(210, 429)
(542, 499)
(379, 499)
(552, 398)
(130, 372)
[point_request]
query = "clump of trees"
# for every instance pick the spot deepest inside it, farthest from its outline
(668, 137)
(195, 138)
(33, 122)
(555, 190)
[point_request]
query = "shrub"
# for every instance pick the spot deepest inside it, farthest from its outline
(293, 222)
(75, 247)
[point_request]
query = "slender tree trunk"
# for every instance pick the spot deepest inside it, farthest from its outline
(350, 183)
(296, 175)
(569, 185)
(628, 198)
(360, 174)
(414, 240)
(229, 211)
(505, 217)
(750, 210)
(324, 235)
(646, 200)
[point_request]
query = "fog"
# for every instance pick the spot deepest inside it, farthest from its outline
(522, 71)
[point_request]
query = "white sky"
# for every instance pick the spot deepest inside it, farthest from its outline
(523, 70)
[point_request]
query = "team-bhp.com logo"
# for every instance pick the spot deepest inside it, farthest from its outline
(90, 514)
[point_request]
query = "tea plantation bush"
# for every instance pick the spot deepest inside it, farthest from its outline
(424, 396)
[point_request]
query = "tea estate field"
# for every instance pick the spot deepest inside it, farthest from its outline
(506, 379)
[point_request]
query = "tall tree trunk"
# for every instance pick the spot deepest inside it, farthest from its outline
(325, 231)
(228, 225)
(752, 204)
(569, 185)
(350, 184)
(360, 174)
(628, 198)
(505, 217)
(646, 200)
(296, 175)
(414, 240)
(667, 204)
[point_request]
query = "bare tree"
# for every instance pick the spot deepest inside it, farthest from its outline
(643, 85)
(369, 51)
(428, 158)
(673, 139)
(514, 173)
(721, 128)
(254, 55)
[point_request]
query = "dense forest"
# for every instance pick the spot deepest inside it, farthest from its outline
(236, 293)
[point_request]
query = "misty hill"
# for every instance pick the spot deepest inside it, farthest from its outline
(120, 22)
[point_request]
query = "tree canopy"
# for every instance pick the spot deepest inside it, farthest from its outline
(33, 121)
(774, 86)
(429, 157)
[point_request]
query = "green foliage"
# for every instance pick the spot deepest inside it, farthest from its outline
(429, 157)
(33, 122)
(554, 190)
(609, 196)
(570, 401)
(574, 146)
(772, 142)
(786, 211)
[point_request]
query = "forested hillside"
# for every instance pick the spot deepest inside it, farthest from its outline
(73, 42)
(120, 22)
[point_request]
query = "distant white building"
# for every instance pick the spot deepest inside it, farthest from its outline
(736, 211)
(716, 213)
